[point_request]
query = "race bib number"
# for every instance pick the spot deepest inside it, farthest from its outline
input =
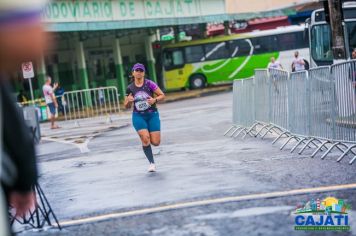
(142, 105)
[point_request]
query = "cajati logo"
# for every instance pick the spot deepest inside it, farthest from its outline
(328, 214)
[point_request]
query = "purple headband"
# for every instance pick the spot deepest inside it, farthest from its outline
(138, 66)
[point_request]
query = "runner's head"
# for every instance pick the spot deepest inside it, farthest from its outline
(22, 37)
(296, 54)
(354, 54)
(138, 71)
(273, 59)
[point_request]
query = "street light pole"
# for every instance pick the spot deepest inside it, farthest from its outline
(338, 39)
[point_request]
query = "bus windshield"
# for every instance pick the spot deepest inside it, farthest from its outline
(321, 42)
(321, 45)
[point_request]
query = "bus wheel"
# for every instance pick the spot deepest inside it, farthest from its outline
(197, 82)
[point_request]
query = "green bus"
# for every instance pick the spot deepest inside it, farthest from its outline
(222, 59)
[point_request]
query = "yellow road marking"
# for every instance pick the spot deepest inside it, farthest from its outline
(209, 202)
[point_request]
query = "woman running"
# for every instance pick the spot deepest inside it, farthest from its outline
(145, 94)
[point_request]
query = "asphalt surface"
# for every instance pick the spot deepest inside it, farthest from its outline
(196, 162)
(272, 217)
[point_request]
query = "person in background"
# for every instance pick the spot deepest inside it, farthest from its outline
(101, 97)
(60, 98)
(18, 170)
(353, 68)
(51, 100)
(274, 64)
(298, 62)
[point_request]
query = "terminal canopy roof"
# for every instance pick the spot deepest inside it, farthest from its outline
(77, 15)
(94, 15)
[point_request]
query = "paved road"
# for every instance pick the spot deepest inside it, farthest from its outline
(196, 162)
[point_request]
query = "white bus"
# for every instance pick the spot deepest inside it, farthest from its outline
(320, 35)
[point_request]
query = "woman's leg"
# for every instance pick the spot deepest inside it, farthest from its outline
(154, 127)
(141, 126)
(146, 144)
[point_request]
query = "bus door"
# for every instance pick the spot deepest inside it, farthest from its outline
(173, 63)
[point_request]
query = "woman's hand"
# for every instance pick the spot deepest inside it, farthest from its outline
(128, 101)
(151, 101)
(130, 98)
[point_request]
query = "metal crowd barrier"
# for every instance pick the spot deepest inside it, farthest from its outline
(242, 100)
(278, 92)
(315, 108)
(91, 103)
(262, 100)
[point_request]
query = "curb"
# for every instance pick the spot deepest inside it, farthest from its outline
(201, 93)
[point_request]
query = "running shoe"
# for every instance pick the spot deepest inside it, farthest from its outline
(152, 168)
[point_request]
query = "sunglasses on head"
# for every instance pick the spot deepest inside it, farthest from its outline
(138, 70)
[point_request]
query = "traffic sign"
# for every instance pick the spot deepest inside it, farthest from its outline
(27, 70)
(28, 73)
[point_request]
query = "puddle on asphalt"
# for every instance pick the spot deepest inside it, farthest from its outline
(87, 164)
(254, 211)
(79, 141)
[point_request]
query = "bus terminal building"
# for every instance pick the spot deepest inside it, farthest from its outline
(97, 41)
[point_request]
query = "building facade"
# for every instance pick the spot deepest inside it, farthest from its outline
(97, 41)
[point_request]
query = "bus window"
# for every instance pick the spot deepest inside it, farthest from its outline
(287, 42)
(239, 48)
(291, 41)
(194, 53)
(265, 44)
(351, 31)
(173, 59)
(216, 51)
(321, 43)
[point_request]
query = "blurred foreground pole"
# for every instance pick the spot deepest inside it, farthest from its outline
(338, 38)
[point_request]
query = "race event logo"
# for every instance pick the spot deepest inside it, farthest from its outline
(329, 214)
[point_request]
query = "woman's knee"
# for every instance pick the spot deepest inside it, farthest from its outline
(155, 142)
(145, 139)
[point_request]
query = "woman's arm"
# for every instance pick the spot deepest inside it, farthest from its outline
(159, 95)
(128, 101)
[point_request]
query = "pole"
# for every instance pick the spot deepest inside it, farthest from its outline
(31, 90)
(341, 82)
(335, 11)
